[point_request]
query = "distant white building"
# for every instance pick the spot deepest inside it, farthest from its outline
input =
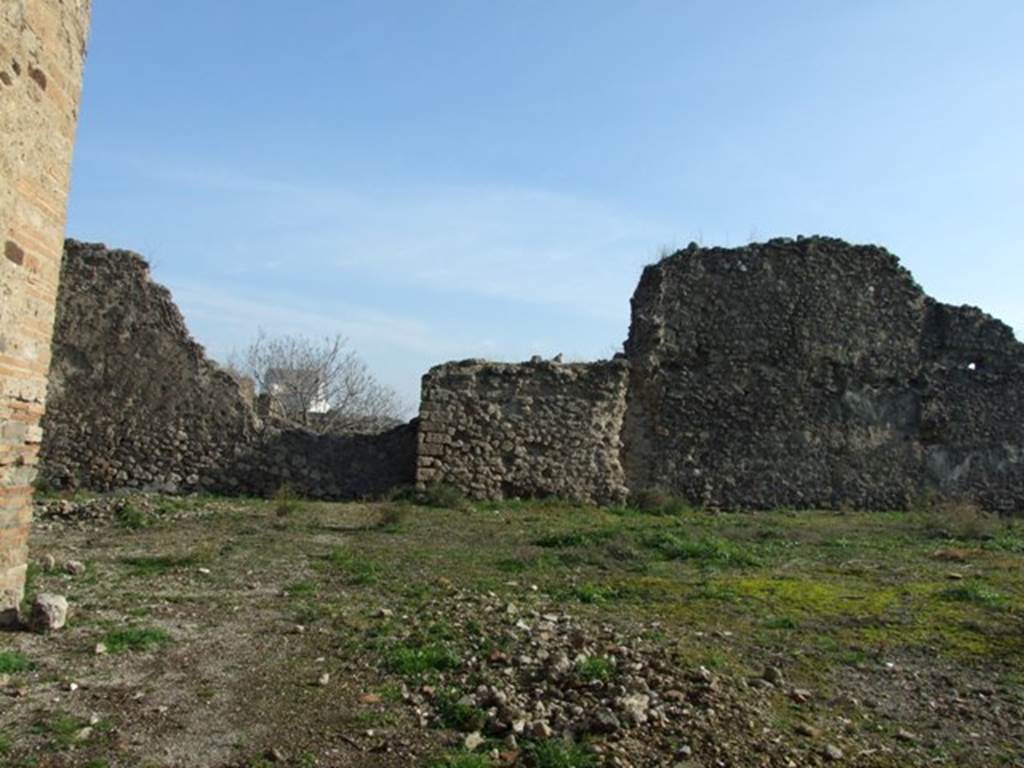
(299, 390)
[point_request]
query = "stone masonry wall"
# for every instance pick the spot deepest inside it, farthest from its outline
(541, 429)
(800, 373)
(812, 372)
(42, 46)
(135, 403)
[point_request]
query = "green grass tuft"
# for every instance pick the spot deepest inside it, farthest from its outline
(135, 639)
(458, 716)
(416, 660)
(131, 517)
(707, 550)
(596, 668)
(558, 754)
(153, 565)
(356, 570)
(658, 501)
(462, 760)
(972, 593)
(12, 662)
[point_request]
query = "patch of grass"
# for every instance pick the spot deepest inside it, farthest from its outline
(356, 570)
(596, 668)
(390, 519)
(707, 550)
(135, 639)
(416, 660)
(461, 760)
(284, 501)
(960, 520)
(595, 594)
(574, 538)
(301, 588)
(62, 728)
(658, 501)
(972, 593)
(131, 517)
(457, 715)
(443, 496)
(781, 622)
(558, 754)
(512, 565)
(12, 662)
(153, 565)
(1009, 540)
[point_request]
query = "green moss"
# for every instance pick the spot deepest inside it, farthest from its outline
(814, 597)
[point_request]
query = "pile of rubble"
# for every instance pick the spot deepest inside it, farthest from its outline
(538, 676)
(131, 510)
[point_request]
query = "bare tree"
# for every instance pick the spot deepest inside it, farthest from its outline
(320, 385)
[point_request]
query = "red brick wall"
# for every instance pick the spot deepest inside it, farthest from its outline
(42, 46)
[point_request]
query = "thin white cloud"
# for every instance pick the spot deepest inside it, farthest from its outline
(501, 241)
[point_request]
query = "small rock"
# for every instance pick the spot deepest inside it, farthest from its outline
(74, 567)
(832, 752)
(276, 755)
(541, 730)
(804, 729)
(604, 721)
(82, 734)
(384, 613)
(904, 735)
(635, 707)
(204, 571)
(48, 562)
(473, 741)
(72, 687)
(49, 612)
(101, 648)
(369, 698)
(800, 695)
(773, 675)
(324, 679)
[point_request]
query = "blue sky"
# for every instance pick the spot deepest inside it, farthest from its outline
(440, 180)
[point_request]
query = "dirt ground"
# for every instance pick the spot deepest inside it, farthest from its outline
(227, 632)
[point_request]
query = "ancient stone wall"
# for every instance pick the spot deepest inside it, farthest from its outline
(815, 373)
(42, 45)
(323, 466)
(802, 373)
(135, 403)
(498, 430)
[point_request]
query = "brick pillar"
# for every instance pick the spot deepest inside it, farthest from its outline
(42, 46)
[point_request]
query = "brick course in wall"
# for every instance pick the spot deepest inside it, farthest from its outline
(42, 46)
